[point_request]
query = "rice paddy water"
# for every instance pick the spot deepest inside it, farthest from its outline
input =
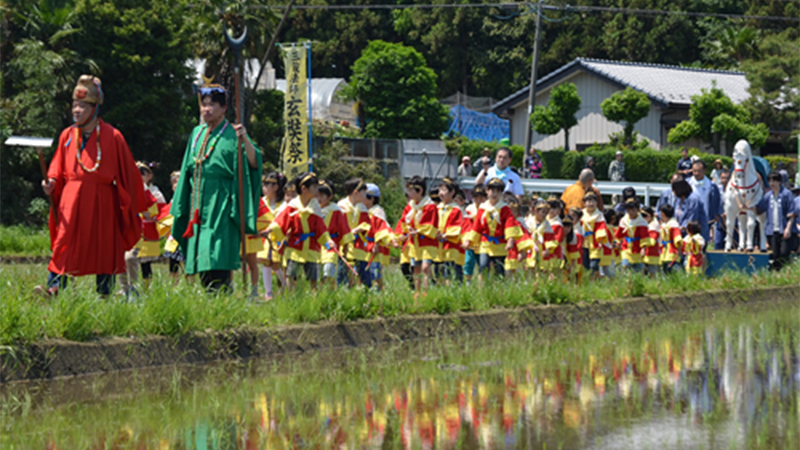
(728, 380)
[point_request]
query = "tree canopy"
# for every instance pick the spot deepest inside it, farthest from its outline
(398, 93)
(559, 114)
(713, 117)
(628, 106)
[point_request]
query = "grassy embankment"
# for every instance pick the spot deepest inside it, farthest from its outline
(170, 309)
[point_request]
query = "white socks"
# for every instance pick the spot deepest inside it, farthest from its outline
(266, 275)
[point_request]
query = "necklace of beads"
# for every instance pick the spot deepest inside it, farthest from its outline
(83, 145)
(205, 151)
(201, 155)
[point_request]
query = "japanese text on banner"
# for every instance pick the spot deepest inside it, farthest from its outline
(295, 115)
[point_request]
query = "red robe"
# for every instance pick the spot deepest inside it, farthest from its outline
(97, 211)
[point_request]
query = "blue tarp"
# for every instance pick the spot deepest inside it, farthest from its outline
(477, 126)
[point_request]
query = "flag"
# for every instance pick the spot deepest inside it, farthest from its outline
(295, 149)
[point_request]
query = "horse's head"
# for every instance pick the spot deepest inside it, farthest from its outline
(744, 171)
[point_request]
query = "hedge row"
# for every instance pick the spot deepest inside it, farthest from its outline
(640, 165)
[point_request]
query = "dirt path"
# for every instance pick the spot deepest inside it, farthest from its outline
(60, 358)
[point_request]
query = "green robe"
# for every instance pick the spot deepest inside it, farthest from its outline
(216, 242)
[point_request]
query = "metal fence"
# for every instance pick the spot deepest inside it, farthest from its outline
(404, 158)
(646, 190)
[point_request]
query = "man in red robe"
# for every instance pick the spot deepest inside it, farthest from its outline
(97, 195)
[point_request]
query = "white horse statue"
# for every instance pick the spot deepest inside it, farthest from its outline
(745, 190)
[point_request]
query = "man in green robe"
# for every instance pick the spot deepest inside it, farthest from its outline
(206, 202)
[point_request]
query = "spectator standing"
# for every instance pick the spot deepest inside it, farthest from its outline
(502, 171)
(484, 160)
(465, 169)
(667, 197)
(689, 207)
(573, 195)
(707, 190)
(684, 164)
(778, 204)
(718, 168)
(533, 164)
(616, 170)
(589, 163)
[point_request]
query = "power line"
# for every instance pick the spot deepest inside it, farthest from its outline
(567, 8)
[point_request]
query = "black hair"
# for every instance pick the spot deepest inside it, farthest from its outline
(418, 183)
(375, 200)
(450, 185)
(628, 192)
(701, 162)
(577, 211)
(281, 184)
(505, 149)
(611, 216)
(353, 183)
(570, 235)
(327, 188)
(217, 96)
(668, 210)
(681, 188)
(693, 227)
(305, 180)
(648, 210)
(553, 204)
(775, 176)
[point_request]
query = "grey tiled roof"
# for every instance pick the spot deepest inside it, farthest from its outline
(664, 84)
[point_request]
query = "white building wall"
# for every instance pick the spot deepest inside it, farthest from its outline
(592, 127)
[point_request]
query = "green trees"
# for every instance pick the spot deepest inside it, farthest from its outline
(628, 107)
(559, 114)
(398, 93)
(713, 117)
(775, 83)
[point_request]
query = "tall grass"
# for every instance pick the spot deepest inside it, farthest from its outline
(170, 309)
(24, 241)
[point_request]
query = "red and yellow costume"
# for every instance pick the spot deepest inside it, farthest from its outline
(671, 241)
(652, 253)
(97, 202)
(633, 235)
(405, 252)
(422, 217)
(359, 223)
(149, 245)
(575, 254)
(537, 230)
(595, 235)
(267, 214)
(555, 244)
(338, 230)
(303, 229)
(450, 221)
(693, 247)
(512, 260)
(493, 226)
(382, 233)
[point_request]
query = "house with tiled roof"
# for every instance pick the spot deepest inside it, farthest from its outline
(669, 88)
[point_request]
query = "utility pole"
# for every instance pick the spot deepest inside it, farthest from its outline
(534, 68)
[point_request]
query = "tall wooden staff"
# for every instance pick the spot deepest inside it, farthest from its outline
(236, 45)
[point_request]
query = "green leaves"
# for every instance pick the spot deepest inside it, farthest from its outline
(398, 91)
(559, 114)
(628, 106)
(713, 116)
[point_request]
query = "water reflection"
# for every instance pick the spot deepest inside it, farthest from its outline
(720, 388)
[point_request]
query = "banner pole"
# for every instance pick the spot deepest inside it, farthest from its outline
(310, 124)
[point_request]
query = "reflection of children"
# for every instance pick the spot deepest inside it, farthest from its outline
(693, 245)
